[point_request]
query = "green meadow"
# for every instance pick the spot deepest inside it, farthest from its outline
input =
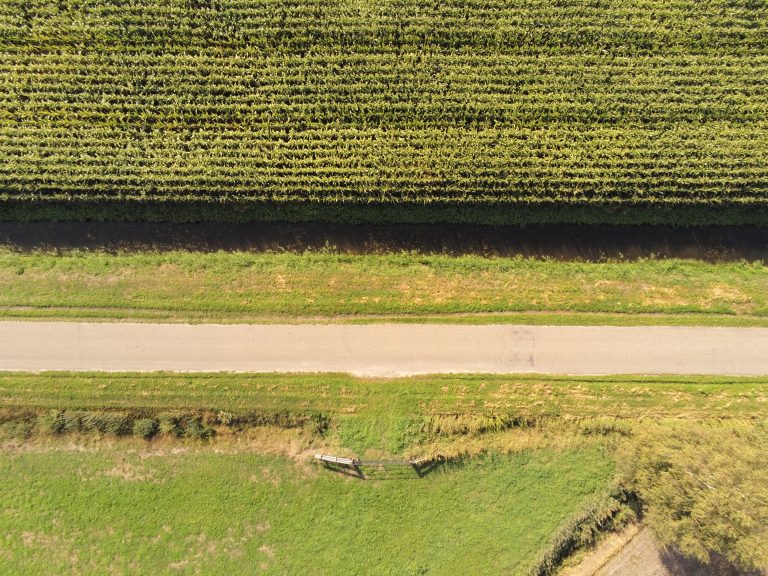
(116, 511)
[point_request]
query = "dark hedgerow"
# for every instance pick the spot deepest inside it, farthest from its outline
(147, 424)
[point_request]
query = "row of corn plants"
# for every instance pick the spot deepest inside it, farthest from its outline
(395, 102)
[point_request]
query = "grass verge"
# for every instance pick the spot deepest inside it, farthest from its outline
(342, 396)
(322, 287)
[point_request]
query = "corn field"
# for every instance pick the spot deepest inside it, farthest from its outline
(499, 102)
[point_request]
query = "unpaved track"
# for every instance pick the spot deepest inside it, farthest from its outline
(383, 350)
(634, 552)
(640, 557)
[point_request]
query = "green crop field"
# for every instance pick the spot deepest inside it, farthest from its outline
(646, 110)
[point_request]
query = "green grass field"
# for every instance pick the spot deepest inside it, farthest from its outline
(631, 111)
(243, 287)
(112, 511)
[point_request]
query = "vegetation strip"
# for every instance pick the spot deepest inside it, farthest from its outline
(499, 400)
(246, 287)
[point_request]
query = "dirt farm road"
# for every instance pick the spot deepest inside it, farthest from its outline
(382, 350)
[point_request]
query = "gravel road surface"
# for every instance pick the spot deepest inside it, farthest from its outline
(382, 350)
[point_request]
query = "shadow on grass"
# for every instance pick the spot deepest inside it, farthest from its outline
(393, 471)
(562, 242)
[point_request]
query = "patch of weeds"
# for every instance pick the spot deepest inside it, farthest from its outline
(453, 424)
(170, 423)
(356, 433)
(145, 428)
(606, 427)
(51, 422)
(117, 423)
(71, 421)
(406, 432)
(286, 419)
(320, 423)
(194, 429)
(17, 430)
(226, 418)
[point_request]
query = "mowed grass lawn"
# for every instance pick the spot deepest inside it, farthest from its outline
(115, 512)
(243, 287)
